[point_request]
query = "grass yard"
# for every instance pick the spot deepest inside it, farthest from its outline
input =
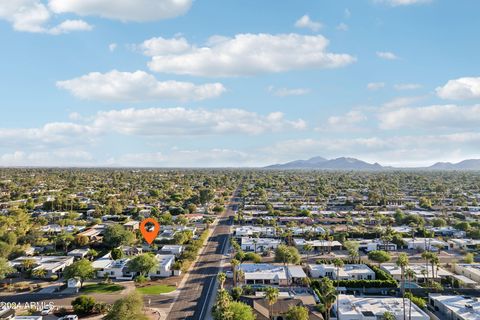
(156, 289)
(102, 288)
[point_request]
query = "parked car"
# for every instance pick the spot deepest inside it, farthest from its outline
(229, 274)
(69, 317)
(46, 310)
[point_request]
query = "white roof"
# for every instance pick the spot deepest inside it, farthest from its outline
(466, 308)
(253, 271)
(360, 307)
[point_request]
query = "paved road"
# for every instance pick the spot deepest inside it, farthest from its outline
(194, 297)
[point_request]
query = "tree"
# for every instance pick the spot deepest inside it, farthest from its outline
(297, 313)
(116, 235)
(379, 256)
(308, 248)
(327, 295)
(81, 240)
(410, 274)
(221, 278)
(402, 262)
(81, 269)
(5, 268)
(116, 254)
(338, 263)
(39, 273)
(240, 311)
(287, 254)
(143, 264)
(65, 239)
(83, 305)
(271, 295)
(127, 308)
(389, 316)
(235, 263)
(468, 258)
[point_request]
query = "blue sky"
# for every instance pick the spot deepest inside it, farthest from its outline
(238, 83)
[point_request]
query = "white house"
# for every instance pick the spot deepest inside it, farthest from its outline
(347, 272)
(471, 271)
(318, 245)
(464, 244)
(53, 265)
(373, 308)
(423, 244)
(250, 231)
(420, 269)
(173, 249)
(259, 244)
(368, 245)
(164, 268)
(455, 307)
(263, 273)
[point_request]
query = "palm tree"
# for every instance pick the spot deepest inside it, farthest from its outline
(426, 256)
(308, 248)
(410, 274)
(402, 262)
(222, 277)
(434, 261)
(338, 263)
(327, 295)
(39, 273)
(235, 263)
(271, 294)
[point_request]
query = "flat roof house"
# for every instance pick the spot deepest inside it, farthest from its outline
(420, 269)
(263, 273)
(347, 272)
(259, 244)
(455, 307)
(368, 245)
(471, 271)
(373, 308)
(53, 265)
(318, 245)
(423, 244)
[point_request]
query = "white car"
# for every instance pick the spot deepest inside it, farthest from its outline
(46, 310)
(69, 317)
(229, 274)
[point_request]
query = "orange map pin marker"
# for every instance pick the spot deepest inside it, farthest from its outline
(149, 236)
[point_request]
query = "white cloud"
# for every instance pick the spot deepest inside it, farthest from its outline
(397, 3)
(407, 86)
(162, 46)
(136, 86)
(460, 89)
(191, 122)
(34, 16)
(112, 47)
(401, 102)
(124, 10)
(51, 134)
(347, 13)
(250, 54)
(217, 157)
(284, 92)
(437, 116)
(68, 26)
(60, 157)
(375, 85)
(342, 27)
(306, 22)
(386, 55)
(350, 118)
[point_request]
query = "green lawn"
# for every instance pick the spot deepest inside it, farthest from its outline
(156, 289)
(102, 288)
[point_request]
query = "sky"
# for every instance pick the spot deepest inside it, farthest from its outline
(210, 83)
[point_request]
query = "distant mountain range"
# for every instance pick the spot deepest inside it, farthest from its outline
(344, 163)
